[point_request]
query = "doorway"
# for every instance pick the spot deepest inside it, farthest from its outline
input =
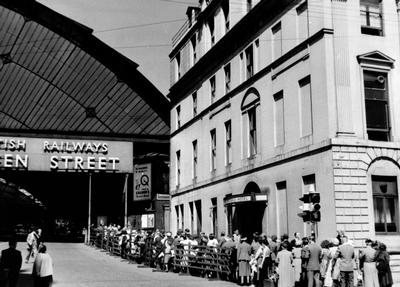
(248, 216)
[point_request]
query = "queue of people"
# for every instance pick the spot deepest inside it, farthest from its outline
(294, 262)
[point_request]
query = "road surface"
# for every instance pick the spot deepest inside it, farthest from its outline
(77, 265)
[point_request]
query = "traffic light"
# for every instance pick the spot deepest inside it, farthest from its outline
(315, 213)
(311, 207)
(306, 214)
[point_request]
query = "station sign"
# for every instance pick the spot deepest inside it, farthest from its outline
(245, 198)
(42, 154)
(160, 196)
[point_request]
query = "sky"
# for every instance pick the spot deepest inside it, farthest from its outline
(139, 29)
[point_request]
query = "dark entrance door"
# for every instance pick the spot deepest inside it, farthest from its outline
(248, 218)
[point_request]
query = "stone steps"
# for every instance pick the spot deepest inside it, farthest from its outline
(395, 267)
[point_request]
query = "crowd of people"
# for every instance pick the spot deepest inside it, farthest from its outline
(287, 262)
(11, 262)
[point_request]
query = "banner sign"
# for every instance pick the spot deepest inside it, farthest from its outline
(37, 154)
(142, 182)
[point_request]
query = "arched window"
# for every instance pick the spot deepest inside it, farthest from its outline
(249, 106)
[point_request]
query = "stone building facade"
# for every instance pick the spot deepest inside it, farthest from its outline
(273, 99)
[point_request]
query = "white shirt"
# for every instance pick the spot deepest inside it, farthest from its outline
(212, 242)
(43, 265)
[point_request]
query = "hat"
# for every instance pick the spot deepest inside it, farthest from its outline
(335, 241)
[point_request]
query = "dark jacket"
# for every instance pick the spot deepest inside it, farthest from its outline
(313, 254)
(11, 259)
(383, 266)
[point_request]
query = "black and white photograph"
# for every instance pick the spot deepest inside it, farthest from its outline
(214, 143)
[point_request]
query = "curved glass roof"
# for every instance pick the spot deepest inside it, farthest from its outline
(56, 77)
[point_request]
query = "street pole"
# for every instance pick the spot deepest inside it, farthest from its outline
(89, 208)
(126, 200)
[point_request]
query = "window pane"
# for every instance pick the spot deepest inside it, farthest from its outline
(279, 120)
(374, 19)
(277, 40)
(375, 85)
(364, 20)
(282, 207)
(384, 185)
(305, 105)
(385, 196)
(302, 19)
(376, 114)
(379, 214)
(252, 131)
(390, 215)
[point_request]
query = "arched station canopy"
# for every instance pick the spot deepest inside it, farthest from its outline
(57, 78)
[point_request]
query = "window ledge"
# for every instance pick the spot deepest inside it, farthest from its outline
(387, 233)
(371, 31)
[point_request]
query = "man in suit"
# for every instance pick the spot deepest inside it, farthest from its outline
(313, 256)
(10, 262)
(346, 254)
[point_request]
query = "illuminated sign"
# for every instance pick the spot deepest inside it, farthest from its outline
(65, 155)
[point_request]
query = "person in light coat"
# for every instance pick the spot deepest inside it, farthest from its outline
(368, 263)
(43, 269)
(243, 258)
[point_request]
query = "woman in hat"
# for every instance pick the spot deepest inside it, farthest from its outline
(368, 265)
(243, 258)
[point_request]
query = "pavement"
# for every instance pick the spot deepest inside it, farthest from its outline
(78, 265)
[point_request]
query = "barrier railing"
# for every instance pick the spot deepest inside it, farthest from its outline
(189, 259)
(204, 259)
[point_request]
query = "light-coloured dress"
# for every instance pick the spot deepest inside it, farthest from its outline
(328, 277)
(368, 255)
(285, 268)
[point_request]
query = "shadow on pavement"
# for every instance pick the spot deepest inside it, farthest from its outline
(25, 280)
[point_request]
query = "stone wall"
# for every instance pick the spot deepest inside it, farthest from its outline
(353, 199)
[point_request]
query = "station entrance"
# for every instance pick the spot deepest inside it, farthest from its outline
(62, 185)
(71, 106)
(58, 203)
(246, 211)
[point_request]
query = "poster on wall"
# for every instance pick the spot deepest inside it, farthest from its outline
(142, 182)
(147, 220)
